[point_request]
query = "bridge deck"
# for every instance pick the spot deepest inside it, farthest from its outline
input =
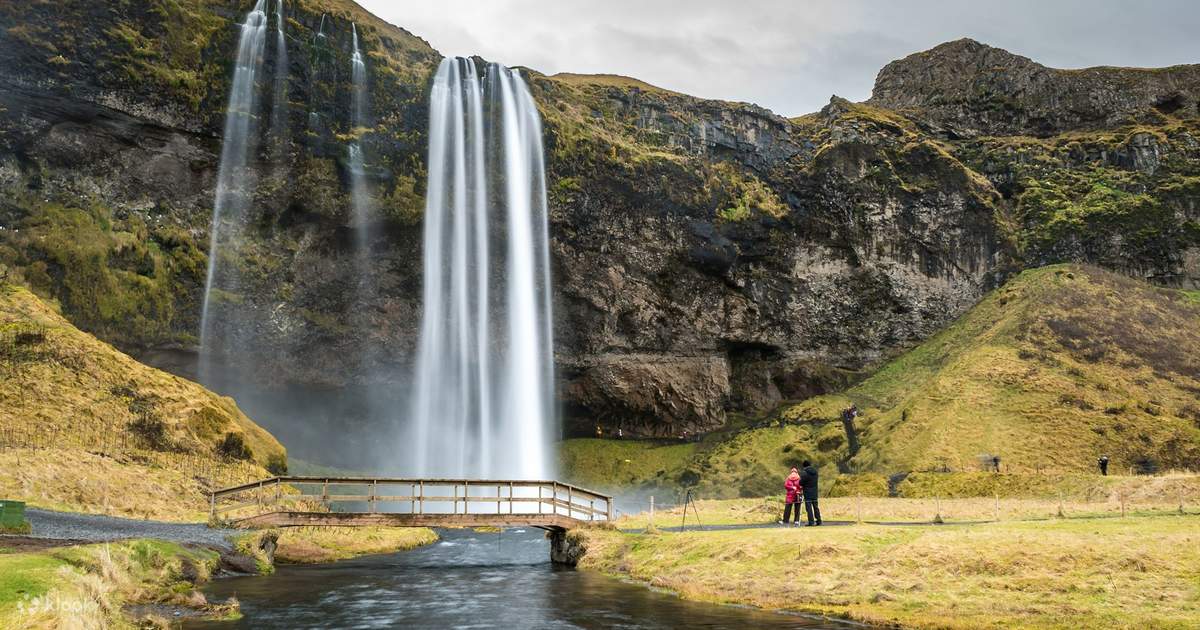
(373, 501)
(367, 519)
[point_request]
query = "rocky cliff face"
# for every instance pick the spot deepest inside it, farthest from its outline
(709, 257)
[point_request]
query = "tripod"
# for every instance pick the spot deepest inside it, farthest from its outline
(687, 500)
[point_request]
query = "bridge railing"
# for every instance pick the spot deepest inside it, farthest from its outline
(375, 495)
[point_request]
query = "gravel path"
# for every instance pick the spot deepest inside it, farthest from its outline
(69, 525)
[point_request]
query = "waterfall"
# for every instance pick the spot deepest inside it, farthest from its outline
(279, 107)
(360, 196)
(235, 181)
(483, 388)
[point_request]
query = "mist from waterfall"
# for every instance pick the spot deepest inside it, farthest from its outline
(483, 388)
(235, 181)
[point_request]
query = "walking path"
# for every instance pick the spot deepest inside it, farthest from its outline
(93, 528)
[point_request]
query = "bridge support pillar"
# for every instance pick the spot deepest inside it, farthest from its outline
(564, 548)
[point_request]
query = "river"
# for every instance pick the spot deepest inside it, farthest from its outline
(470, 580)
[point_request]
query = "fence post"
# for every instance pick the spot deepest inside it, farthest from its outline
(212, 506)
(858, 508)
(996, 497)
(651, 510)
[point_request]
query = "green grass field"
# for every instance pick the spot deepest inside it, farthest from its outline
(1076, 573)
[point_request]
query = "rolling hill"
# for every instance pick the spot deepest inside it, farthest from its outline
(85, 427)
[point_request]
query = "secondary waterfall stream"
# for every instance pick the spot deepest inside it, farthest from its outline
(483, 390)
(235, 181)
(279, 105)
(360, 196)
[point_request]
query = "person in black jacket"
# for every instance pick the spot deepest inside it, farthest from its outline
(808, 483)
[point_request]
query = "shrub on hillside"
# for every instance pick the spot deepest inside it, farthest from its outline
(234, 447)
(151, 431)
(277, 464)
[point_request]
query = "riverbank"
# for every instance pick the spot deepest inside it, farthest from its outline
(92, 571)
(106, 585)
(1067, 573)
(316, 545)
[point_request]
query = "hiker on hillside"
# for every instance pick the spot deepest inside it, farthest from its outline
(792, 498)
(808, 483)
(996, 463)
(1103, 462)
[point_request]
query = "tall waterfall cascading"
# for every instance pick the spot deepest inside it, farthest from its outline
(360, 196)
(483, 388)
(235, 180)
(279, 94)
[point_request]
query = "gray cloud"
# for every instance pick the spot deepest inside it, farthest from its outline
(790, 55)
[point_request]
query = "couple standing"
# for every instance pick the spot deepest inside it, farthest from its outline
(802, 484)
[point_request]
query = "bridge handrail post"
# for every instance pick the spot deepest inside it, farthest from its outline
(609, 507)
(570, 501)
(371, 500)
(421, 499)
(540, 488)
(212, 506)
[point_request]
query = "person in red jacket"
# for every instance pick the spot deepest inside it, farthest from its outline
(792, 498)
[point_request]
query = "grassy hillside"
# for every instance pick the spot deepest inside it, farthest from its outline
(1059, 366)
(83, 426)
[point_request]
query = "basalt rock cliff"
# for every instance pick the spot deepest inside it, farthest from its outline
(708, 257)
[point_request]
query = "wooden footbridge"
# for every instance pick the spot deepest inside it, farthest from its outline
(370, 501)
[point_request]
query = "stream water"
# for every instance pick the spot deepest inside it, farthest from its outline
(471, 580)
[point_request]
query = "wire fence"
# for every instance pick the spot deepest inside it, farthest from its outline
(1174, 494)
(115, 441)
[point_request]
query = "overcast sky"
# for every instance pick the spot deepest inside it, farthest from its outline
(790, 55)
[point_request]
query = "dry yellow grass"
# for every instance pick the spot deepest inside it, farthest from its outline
(111, 434)
(609, 80)
(1131, 572)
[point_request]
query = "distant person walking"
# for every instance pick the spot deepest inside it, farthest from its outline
(1103, 462)
(808, 483)
(791, 499)
(996, 463)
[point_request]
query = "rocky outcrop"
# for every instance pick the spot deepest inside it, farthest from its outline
(973, 89)
(708, 257)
